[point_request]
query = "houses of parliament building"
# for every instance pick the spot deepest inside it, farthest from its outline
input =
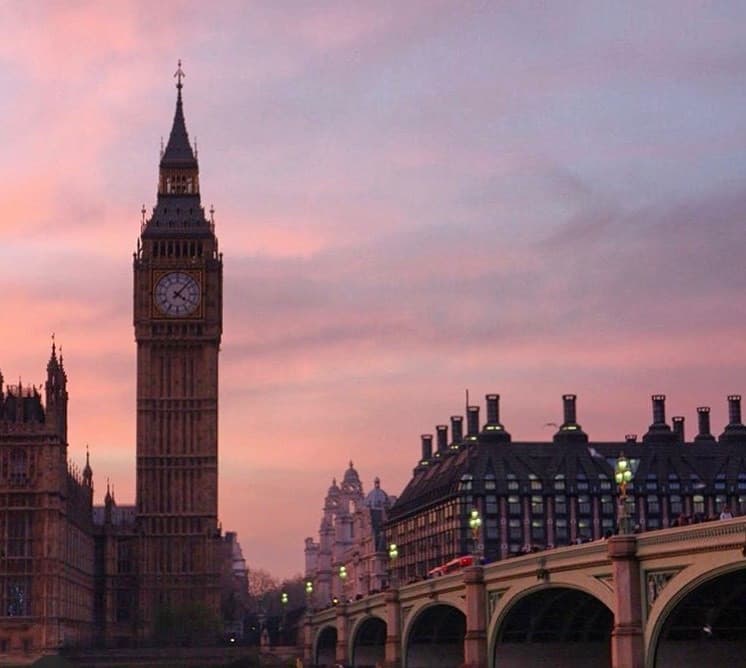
(75, 575)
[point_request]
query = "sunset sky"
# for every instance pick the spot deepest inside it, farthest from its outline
(412, 198)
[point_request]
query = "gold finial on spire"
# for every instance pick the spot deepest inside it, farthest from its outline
(179, 74)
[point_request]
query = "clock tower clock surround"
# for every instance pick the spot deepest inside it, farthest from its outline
(178, 326)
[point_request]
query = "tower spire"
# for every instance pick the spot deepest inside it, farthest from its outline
(178, 152)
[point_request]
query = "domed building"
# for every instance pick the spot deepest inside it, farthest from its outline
(351, 541)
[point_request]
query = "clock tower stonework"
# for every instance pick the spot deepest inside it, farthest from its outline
(178, 324)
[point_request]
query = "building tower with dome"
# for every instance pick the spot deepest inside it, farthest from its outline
(350, 536)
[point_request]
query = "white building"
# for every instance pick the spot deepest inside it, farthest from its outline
(351, 540)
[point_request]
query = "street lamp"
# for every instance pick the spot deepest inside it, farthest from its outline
(393, 555)
(284, 601)
(475, 524)
(309, 594)
(343, 579)
(623, 476)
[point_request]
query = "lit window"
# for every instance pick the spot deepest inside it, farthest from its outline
(559, 482)
(537, 505)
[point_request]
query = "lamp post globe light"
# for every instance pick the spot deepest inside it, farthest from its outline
(343, 580)
(309, 594)
(623, 476)
(393, 555)
(475, 524)
(284, 602)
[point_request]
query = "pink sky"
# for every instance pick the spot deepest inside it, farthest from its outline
(412, 199)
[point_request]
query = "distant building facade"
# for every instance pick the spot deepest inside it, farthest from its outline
(350, 536)
(532, 496)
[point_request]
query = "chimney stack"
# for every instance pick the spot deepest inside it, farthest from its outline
(703, 418)
(493, 408)
(659, 431)
(734, 430)
(568, 404)
(570, 430)
(457, 430)
(442, 434)
(734, 409)
(659, 408)
(472, 422)
(678, 428)
(493, 431)
(427, 447)
(630, 438)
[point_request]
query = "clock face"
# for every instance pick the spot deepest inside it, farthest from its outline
(177, 294)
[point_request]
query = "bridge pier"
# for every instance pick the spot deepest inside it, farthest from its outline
(627, 647)
(393, 628)
(342, 640)
(475, 640)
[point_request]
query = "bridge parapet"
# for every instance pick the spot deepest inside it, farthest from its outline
(705, 537)
(641, 578)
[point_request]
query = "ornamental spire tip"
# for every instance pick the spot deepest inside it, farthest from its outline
(179, 74)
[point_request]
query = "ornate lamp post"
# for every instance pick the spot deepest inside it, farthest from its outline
(475, 524)
(309, 594)
(284, 602)
(623, 476)
(393, 555)
(343, 579)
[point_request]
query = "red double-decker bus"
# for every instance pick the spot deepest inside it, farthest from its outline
(451, 566)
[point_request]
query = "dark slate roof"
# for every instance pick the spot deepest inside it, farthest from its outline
(177, 214)
(696, 465)
(178, 151)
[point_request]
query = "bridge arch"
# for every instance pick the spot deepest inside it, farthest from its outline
(325, 647)
(368, 641)
(434, 636)
(576, 621)
(699, 618)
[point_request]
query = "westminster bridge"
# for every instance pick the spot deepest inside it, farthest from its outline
(669, 598)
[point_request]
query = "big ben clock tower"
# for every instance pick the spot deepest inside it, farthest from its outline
(178, 324)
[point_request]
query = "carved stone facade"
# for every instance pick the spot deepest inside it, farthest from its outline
(178, 308)
(351, 538)
(46, 541)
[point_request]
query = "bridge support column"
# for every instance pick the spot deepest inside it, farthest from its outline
(626, 637)
(342, 641)
(475, 641)
(393, 629)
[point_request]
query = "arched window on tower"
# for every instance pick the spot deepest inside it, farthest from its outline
(18, 467)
